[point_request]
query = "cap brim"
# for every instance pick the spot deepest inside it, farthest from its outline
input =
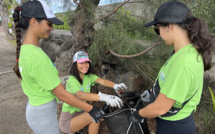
(55, 21)
(150, 24)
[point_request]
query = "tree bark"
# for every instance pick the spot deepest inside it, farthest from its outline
(4, 15)
(82, 33)
(81, 29)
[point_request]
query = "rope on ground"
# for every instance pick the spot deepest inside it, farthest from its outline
(141, 53)
(6, 72)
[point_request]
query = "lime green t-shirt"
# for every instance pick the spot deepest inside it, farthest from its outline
(180, 78)
(39, 75)
(73, 85)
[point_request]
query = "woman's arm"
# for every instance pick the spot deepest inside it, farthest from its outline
(161, 105)
(70, 99)
(105, 83)
(87, 96)
(111, 100)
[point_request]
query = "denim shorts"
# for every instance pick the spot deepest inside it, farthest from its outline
(43, 119)
(184, 126)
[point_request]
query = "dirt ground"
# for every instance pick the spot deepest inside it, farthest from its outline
(12, 99)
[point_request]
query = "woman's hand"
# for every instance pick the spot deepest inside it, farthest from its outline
(96, 113)
(111, 100)
(145, 96)
(119, 88)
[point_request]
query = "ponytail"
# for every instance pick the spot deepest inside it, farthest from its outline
(16, 17)
(20, 23)
(203, 42)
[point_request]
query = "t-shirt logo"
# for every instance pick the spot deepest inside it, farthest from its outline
(88, 86)
(162, 76)
(54, 65)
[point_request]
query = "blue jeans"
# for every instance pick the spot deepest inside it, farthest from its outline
(184, 126)
(43, 119)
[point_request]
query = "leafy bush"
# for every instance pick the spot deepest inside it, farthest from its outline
(10, 25)
(212, 97)
(65, 26)
(125, 34)
(64, 18)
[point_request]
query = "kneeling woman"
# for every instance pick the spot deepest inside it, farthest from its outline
(79, 83)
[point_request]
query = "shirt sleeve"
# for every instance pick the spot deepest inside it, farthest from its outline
(177, 83)
(73, 85)
(46, 75)
(93, 78)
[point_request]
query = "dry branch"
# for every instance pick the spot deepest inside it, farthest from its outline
(123, 3)
(75, 1)
(135, 55)
(187, 2)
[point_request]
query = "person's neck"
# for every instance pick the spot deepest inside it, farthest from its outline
(81, 76)
(180, 42)
(31, 39)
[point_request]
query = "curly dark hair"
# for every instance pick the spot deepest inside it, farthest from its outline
(74, 71)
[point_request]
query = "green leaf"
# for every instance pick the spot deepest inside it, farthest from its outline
(213, 97)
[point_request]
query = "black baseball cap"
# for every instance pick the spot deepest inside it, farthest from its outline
(170, 12)
(39, 9)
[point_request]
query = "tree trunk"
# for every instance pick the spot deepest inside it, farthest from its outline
(4, 15)
(82, 32)
(81, 29)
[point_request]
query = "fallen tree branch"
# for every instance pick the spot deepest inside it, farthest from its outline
(81, 6)
(187, 2)
(75, 1)
(123, 3)
(135, 55)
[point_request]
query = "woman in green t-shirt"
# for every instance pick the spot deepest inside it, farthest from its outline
(79, 83)
(178, 87)
(37, 74)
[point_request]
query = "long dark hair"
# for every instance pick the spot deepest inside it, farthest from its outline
(20, 23)
(74, 71)
(198, 34)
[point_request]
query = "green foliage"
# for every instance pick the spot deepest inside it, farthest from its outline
(62, 27)
(125, 34)
(212, 97)
(205, 10)
(10, 25)
(204, 115)
(64, 18)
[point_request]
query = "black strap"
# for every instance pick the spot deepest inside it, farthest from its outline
(189, 99)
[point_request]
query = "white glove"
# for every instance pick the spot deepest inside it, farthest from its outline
(111, 100)
(119, 87)
(145, 96)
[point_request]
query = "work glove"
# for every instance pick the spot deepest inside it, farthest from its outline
(96, 113)
(119, 88)
(135, 117)
(145, 96)
(111, 100)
